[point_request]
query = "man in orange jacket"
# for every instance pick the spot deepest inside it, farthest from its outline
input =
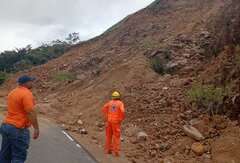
(114, 113)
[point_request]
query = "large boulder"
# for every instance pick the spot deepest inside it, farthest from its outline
(198, 149)
(142, 136)
(193, 132)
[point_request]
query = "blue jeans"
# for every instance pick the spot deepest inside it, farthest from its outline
(15, 143)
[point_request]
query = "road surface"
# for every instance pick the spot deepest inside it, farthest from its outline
(56, 146)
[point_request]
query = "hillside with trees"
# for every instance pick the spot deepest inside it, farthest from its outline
(12, 61)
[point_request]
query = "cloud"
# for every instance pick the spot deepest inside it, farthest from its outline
(33, 21)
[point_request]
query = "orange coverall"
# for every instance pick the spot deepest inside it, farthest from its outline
(114, 114)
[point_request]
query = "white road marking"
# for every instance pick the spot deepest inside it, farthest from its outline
(79, 146)
(68, 136)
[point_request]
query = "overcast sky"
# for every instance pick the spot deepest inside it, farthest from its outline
(24, 22)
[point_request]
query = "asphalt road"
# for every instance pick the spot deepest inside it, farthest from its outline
(56, 146)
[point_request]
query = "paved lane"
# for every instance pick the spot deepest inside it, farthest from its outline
(55, 146)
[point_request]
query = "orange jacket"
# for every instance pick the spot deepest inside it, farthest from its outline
(114, 111)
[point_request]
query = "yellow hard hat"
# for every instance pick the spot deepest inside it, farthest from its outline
(116, 95)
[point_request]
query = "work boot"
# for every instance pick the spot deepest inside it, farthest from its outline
(109, 152)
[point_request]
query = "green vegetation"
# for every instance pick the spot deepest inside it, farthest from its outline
(157, 65)
(160, 62)
(25, 58)
(3, 77)
(217, 99)
(64, 76)
(207, 97)
(158, 5)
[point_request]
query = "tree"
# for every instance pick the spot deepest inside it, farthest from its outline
(25, 58)
(73, 38)
(3, 77)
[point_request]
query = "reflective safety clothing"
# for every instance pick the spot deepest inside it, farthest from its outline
(114, 113)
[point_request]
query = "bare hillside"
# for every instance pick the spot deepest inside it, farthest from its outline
(192, 41)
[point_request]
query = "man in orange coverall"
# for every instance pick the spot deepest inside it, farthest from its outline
(113, 112)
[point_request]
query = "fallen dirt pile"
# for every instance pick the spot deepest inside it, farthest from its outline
(186, 42)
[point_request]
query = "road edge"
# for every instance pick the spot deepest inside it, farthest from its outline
(78, 143)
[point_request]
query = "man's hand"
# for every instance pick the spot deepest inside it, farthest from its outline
(33, 118)
(36, 134)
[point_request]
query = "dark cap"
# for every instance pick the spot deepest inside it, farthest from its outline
(24, 79)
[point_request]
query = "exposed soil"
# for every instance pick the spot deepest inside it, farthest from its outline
(196, 37)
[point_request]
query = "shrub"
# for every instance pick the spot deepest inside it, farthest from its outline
(25, 58)
(157, 65)
(160, 63)
(64, 76)
(3, 77)
(207, 97)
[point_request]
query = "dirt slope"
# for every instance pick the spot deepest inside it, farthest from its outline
(186, 34)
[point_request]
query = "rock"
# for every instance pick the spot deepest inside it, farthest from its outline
(153, 153)
(132, 131)
(220, 122)
(234, 123)
(80, 122)
(213, 133)
(63, 125)
(207, 148)
(187, 55)
(83, 131)
(133, 141)
(192, 132)
(100, 124)
(164, 147)
(194, 121)
(202, 125)
(67, 128)
(171, 67)
(95, 141)
(100, 129)
(207, 156)
(205, 34)
(74, 129)
(165, 88)
(182, 116)
(187, 149)
(168, 160)
(142, 136)
(80, 114)
(81, 77)
(71, 122)
(46, 100)
(188, 112)
(198, 149)
(133, 161)
(161, 161)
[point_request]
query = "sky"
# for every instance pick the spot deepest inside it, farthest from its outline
(24, 22)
